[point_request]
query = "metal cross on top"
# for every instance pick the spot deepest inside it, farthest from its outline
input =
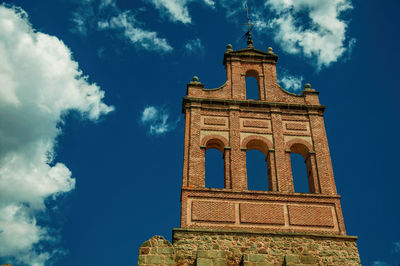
(248, 33)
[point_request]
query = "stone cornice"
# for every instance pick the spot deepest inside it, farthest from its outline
(250, 53)
(244, 232)
(253, 103)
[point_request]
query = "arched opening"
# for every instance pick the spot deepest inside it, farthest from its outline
(258, 165)
(302, 169)
(214, 168)
(252, 86)
(257, 170)
(299, 173)
(214, 164)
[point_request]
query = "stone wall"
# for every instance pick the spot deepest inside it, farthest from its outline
(156, 251)
(228, 247)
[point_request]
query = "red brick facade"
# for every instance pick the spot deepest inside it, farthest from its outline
(278, 124)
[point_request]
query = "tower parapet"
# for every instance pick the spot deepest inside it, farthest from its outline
(277, 124)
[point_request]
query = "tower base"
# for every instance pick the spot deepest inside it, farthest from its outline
(232, 247)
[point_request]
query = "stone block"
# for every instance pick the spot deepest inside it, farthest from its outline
(264, 264)
(169, 260)
(155, 259)
(168, 250)
(142, 259)
(290, 259)
(219, 262)
(257, 258)
(202, 254)
(204, 262)
(215, 254)
(308, 259)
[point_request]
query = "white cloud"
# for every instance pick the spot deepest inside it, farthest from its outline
(156, 118)
(80, 23)
(380, 263)
(105, 15)
(323, 38)
(81, 18)
(149, 114)
(233, 7)
(194, 46)
(177, 10)
(290, 82)
(40, 82)
(397, 247)
(125, 22)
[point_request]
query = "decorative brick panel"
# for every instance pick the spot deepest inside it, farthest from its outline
(214, 121)
(256, 123)
(210, 211)
(310, 216)
(296, 126)
(262, 213)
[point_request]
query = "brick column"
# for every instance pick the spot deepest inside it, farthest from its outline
(270, 82)
(227, 168)
(261, 86)
(282, 168)
(238, 157)
(272, 180)
(322, 155)
(290, 181)
(238, 82)
(313, 180)
(185, 173)
(196, 154)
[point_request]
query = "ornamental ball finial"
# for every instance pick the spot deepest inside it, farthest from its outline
(229, 47)
(270, 50)
(307, 86)
(195, 79)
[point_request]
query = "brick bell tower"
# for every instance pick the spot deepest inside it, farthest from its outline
(237, 226)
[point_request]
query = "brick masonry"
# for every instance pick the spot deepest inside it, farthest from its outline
(282, 226)
(277, 124)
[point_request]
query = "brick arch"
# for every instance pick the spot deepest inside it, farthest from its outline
(299, 146)
(258, 143)
(252, 73)
(214, 142)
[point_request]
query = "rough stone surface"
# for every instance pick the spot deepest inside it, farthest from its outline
(226, 247)
(156, 251)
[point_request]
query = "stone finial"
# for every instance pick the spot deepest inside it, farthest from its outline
(249, 40)
(195, 81)
(270, 50)
(307, 87)
(229, 47)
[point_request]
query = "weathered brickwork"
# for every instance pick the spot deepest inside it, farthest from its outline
(237, 226)
(219, 247)
(277, 124)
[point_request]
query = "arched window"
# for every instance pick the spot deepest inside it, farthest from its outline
(299, 173)
(214, 164)
(301, 161)
(214, 169)
(258, 165)
(252, 86)
(257, 170)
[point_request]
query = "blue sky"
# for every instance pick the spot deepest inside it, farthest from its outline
(91, 130)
